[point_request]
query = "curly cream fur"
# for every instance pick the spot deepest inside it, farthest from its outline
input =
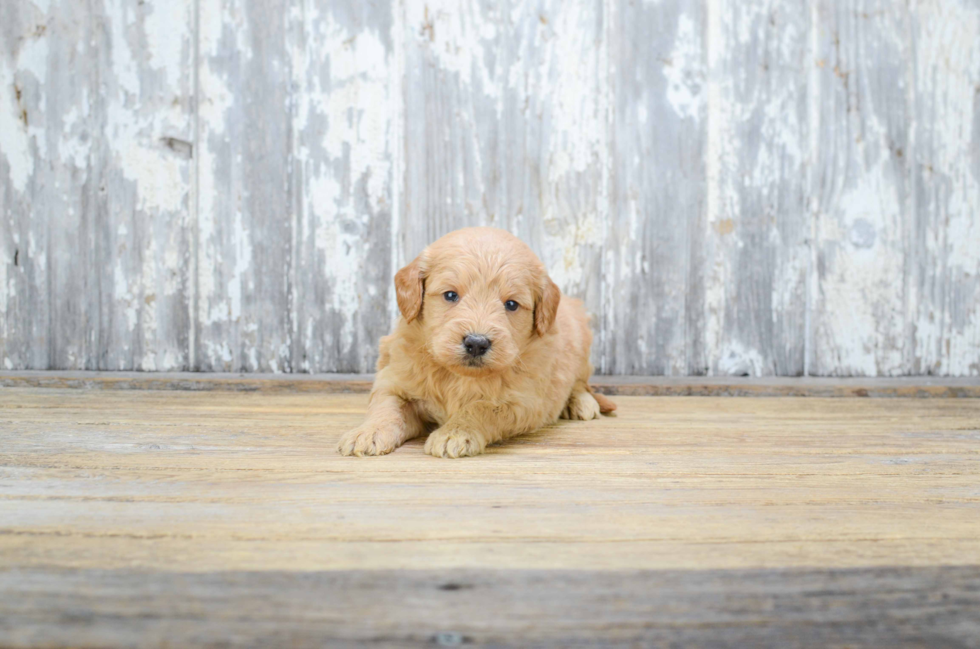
(536, 370)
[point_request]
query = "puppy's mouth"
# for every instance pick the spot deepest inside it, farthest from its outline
(473, 367)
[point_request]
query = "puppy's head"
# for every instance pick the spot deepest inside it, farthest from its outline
(480, 296)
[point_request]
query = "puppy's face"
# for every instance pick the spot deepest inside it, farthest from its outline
(480, 297)
(475, 323)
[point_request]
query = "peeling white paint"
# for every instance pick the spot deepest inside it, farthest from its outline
(148, 303)
(718, 159)
(544, 170)
(74, 146)
(8, 288)
(158, 176)
(143, 104)
(165, 48)
(737, 360)
(243, 265)
(453, 37)
(354, 101)
(135, 134)
(216, 103)
(33, 59)
(865, 317)
(123, 294)
(953, 47)
(14, 145)
(18, 125)
(567, 270)
(685, 70)
(124, 67)
(947, 71)
(355, 106)
(578, 126)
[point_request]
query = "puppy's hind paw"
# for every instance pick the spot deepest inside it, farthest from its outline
(454, 443)
(369, 440)
(581, 405)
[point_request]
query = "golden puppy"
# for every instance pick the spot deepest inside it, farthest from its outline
(487, 348)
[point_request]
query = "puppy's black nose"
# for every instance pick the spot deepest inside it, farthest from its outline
(476, 345)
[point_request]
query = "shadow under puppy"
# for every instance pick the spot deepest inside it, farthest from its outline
(487, 348)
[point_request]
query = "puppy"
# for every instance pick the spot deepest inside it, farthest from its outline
(487, 348)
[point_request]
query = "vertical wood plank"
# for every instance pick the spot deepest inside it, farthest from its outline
(142, 227)
(99, 184)
(860, 189)
(652, 266)
(755, 252)
(945, 247)
(343, 83)
(445, 80)
(36, 90)
(506, 124)
(245, 205)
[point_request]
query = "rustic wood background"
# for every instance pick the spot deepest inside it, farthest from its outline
(734, 186)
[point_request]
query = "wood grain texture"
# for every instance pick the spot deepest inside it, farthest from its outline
(245, 196)
(651, 319)
(924, 607)
(734, 188)
(25, 277)
(96, 109)
(140, 240)
(344, 86)
(945, 285)
(860, 189)
(754, 239)
(191, 481)
(138, 517)
(295, 186)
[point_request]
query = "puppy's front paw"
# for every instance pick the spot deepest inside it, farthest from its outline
(454, 443)
(581, 405)
(369, 439)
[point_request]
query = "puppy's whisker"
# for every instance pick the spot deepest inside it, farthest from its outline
(523, 367)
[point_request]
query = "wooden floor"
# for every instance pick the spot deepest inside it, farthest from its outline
(226, 518)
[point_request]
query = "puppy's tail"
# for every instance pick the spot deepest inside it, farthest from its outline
(606, 404)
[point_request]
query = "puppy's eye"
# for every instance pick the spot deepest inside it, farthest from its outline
(511, 305)
(451, 296)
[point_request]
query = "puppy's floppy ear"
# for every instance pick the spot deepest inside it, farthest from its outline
(546, 307)
(410, 287)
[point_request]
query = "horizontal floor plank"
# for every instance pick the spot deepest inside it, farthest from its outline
(876, 607)
(228, 479)
(206, 517)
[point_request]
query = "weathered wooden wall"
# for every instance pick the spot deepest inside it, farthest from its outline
(734, 186)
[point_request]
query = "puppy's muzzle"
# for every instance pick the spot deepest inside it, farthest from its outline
(476, 345)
